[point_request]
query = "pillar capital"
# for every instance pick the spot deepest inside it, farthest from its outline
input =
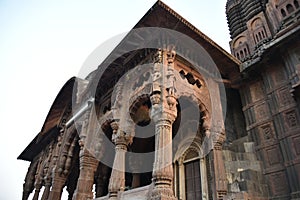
(119, 137)
(217, 139)
(163, 108)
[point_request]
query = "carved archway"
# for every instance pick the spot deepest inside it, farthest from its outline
(190, 160)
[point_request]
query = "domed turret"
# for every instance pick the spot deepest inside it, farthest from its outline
(235, 17)
(239, 12)
(252, 8)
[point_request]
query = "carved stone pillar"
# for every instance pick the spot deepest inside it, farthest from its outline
(58, 182)
(47, 173)
(135, 180)
(203, 173)
(37, 190)
(39, 177)
(88, 165)
(135, 164)
(181, 180)
(101, 180)
(46, 190)
(162, 169)
(218, 164)
(29, 180)
(117, 178)
(163, 114)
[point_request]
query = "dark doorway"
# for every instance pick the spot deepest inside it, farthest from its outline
(193, 181)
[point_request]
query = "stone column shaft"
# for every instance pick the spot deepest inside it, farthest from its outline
(181, 181)
(58, 182)
(218, 164)
(203, 174)
(220, 175)
(163, 114)
(46, 191)
(162, 168)
(88, 166)
(37, 192)
(135, 180)
(117, 178)
(29, 180)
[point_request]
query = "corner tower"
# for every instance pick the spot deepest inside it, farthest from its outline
(265, 38)
(255, 23)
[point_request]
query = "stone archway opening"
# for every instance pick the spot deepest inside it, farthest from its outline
(143, 142)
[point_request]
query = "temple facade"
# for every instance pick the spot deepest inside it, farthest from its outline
(170, 115)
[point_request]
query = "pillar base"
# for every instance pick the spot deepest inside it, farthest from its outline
(162, 193)
(79, 196)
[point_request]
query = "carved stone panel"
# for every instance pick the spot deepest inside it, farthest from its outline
(284, 97)
(261, 112)
(274, 155)
(277, 75)
(291, 119)
(296, 144)
(256, 91)
(278, 183)
(267, 131)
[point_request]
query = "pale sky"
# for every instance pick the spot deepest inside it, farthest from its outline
(44, 43)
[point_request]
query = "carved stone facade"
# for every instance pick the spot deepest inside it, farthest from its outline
(181, 119)
(270, 89)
